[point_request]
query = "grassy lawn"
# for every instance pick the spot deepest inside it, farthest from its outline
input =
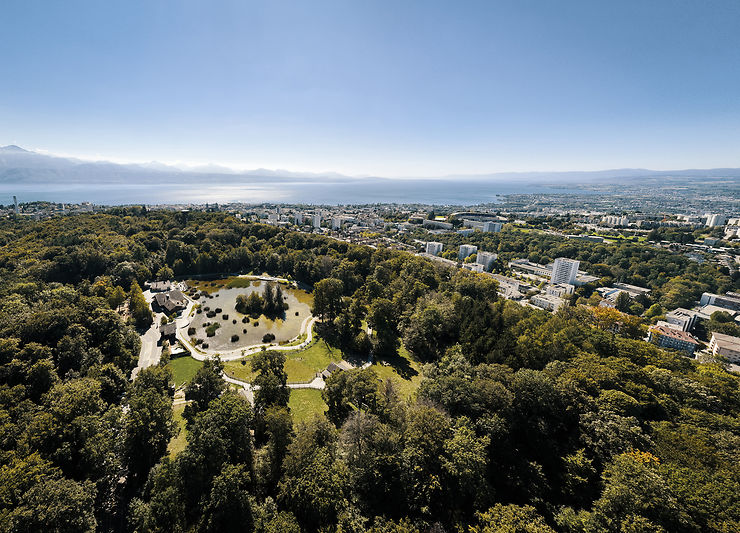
(403, 370)
(301, 366)
(237, 370)
(177, 443)
(305, 403)
(184, 369)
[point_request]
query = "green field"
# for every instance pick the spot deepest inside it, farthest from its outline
(301, 366)
(183, 369)
(402, 369)
(305, 403)
(177, 443)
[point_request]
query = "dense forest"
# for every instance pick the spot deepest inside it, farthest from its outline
(524, 421)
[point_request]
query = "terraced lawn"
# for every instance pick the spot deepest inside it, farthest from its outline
(305, 404)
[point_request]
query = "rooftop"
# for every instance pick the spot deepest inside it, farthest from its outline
(727, 342)
(674, 334)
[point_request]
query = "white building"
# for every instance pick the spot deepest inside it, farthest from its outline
(317, 221)
(492, 227)
(298, 219)
(559, 290)
(486, 260)
(466, 250)
(615, 220)
(726, 346)
(336, 223)
(434, 248)
(565, 271)
(273, 218)
(714, 220)
(548, 302)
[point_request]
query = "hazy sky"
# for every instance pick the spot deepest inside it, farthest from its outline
(372, 87)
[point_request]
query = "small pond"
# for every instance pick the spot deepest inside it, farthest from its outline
(222, 294)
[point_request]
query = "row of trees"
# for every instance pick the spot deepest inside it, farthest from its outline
(271, 303)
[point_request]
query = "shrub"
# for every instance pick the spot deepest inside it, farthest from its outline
(233, 321)
(225, 316)
(234, 338)
(268, 337)
(191, 331)
(211, 314)
(244, 330)
(211, 330)
(204, 345)
(255, 324)
(296, 313)
(245, 320)
(219, 310)
(198, 311)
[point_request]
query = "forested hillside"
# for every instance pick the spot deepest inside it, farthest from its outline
(524, 421)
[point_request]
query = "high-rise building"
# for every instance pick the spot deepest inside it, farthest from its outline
(564, 271)
(298, 218)
(434, 248)
(715, 220)
(15, 205)
(486, 259)
(317, 221)
(336, 223)
(492, 227)
(466, 250)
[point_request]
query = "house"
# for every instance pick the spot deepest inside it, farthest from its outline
(674, 339)
(160, 286)
(171, 301)
(335, 367)
(726, 346)
(168, 331)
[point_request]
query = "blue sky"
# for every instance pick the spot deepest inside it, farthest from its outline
(397, 88)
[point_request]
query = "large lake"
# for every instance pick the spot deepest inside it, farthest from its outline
(425, 191)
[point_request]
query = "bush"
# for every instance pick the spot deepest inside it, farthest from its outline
(224, 316)
(211, 330)
(255, 324)
(244, 330)
(204, 345)
(191, 331)
(219, 310)
(245, 320)
(233, 321)
(211, 314)
(296, 313)
(198, 311)
(234, 338)
(268, 337)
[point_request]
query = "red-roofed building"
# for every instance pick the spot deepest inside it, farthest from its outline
(674, 339)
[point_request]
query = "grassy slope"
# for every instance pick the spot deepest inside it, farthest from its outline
(183, 369)
(177, 443)
(403, 370)
(305, 403)
(301, 366)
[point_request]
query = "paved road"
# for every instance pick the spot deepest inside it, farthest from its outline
(151, 351)
(238, 353)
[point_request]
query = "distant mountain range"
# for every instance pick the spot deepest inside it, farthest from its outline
(20, 166)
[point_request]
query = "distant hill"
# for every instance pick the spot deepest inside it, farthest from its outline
(20, 166)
